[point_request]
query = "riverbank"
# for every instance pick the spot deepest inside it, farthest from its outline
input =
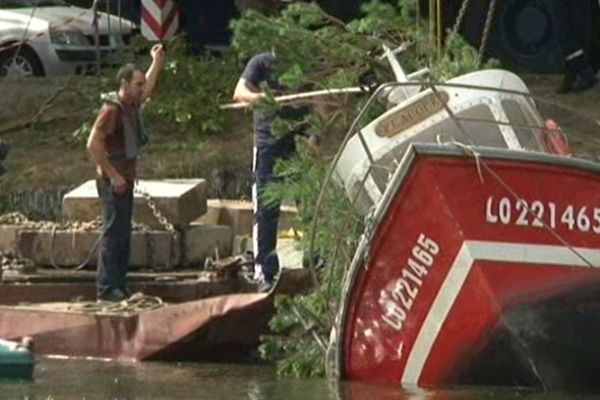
(40, 117)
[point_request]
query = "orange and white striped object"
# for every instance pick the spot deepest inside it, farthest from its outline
(160, 19)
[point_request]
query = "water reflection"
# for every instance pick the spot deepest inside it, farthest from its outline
(80, 379)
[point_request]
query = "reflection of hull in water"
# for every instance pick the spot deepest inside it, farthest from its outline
(460, 284)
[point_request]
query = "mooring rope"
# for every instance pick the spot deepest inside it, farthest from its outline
(136, 303)
(470, 150)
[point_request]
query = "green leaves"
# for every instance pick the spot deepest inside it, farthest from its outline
(314, 49)
(460, 58)
(192, 89)
(292, 77)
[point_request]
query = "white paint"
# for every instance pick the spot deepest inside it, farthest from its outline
(470, 252)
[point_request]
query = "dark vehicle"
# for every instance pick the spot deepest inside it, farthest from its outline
(523, 34)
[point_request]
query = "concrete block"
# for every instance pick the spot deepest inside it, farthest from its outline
(241, 244)
(180, 200)
(8, 238)
(67, 248)
(155, 249)
(202, 240)
(213, 213)
(238, 215)
(71, 248)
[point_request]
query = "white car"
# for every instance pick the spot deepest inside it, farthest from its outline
(50, 37)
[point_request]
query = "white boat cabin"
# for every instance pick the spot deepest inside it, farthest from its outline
(502, 118)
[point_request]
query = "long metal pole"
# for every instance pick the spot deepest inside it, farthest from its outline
(439, 28)
(432, 22)
(96, 36)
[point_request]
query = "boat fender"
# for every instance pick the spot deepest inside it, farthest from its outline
(555, 139)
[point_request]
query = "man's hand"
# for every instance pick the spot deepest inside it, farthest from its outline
(245, 92)
(119, 184)
(158, 55)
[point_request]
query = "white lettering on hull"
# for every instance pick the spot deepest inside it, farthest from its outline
(398, 301)
(538, 214)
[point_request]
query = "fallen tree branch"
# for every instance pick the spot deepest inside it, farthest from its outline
(49, 101)
(19, 125)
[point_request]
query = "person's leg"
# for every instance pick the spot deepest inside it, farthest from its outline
(579, 74)
(125, 212)
(264, 233)
(110, 269)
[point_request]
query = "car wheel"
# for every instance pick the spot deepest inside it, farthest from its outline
(524, 33)
(20, 62)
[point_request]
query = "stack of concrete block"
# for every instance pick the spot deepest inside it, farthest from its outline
(181, 201)
(9, 235)
(206, 228)
(238, 215)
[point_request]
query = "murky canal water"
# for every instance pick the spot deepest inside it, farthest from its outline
(79, 379)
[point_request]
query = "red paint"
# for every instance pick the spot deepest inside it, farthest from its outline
(445, 199)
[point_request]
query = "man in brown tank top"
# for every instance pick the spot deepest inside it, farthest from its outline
(114, 143)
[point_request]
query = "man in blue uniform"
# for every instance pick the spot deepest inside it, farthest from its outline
(268, 149)
(579, 74)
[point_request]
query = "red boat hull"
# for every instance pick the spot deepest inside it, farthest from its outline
(461, 283)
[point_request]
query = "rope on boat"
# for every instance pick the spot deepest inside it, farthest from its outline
(469, 150)
(486, 29)
(135, 303)
(81, 265)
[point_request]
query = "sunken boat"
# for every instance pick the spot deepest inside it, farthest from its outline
(479, 264)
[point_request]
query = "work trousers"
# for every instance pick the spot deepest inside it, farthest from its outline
(113, 254)
(570, 32)
(266, 216)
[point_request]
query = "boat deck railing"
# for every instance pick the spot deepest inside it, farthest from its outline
(433, 86)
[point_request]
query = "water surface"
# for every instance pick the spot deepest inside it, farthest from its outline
(82, 379)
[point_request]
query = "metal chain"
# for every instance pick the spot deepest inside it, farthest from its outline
(486, 29)
(160, 217)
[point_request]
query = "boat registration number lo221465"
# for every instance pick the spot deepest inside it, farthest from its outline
(399, 300)
(538, 214)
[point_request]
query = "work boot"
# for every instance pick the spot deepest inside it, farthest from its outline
(584, 80)
(579, 75)
(114, 295)
(573, 83)
(265, 284)
(127, 292)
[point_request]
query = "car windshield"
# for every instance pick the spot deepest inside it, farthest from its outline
(30, 3)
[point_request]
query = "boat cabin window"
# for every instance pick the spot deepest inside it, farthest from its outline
(479, 124)
(520, 124)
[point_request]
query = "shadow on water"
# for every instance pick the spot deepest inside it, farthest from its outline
(80, 379)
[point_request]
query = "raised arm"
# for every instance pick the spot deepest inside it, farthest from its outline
(158, 62)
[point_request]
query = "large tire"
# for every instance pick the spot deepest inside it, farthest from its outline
(20, 62)
(524, 34)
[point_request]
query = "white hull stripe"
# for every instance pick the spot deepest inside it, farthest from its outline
(471, 251)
